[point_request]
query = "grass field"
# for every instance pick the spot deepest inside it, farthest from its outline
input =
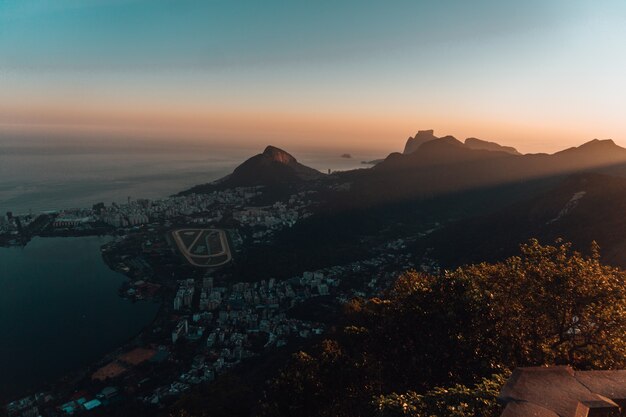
(203, 247)
(188, 237)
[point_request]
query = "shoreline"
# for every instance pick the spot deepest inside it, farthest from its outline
(67, 380)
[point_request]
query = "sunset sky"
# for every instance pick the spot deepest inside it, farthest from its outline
(536, 74)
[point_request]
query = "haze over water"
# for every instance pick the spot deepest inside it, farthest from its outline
(39, 175)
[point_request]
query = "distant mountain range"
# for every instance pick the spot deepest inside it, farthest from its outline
(423, 136)
(430, 166)
(444, 165)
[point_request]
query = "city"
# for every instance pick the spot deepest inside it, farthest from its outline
(209, 321)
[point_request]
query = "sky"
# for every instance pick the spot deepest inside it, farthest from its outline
(540, 75)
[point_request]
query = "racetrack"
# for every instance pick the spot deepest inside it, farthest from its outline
(206, 248)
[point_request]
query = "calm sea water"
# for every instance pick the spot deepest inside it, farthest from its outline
(41, 175)
(59, 311)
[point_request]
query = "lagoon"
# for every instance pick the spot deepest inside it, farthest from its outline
(60, 311)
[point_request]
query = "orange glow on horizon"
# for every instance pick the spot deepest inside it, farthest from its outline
(372, 131)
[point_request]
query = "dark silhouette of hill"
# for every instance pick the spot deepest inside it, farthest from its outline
(273, 167)
(440, 166)
(593, 153)
(446, 165)
(582, 208)
(474, 143)
(424, 136)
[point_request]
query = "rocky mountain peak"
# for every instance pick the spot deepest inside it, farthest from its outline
(278, 155)
(421, 137)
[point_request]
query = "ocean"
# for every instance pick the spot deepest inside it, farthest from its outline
(40, 175)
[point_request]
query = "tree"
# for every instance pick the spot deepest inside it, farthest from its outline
(549, 305)
(480, 400)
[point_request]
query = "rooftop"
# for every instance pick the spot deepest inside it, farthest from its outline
(559, 391)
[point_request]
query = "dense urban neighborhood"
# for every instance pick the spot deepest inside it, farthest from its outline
(212, 320)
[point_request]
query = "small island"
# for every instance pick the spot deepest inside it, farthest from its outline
(373, 162)
(346, 155)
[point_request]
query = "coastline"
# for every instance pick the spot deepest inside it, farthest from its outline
(66, 382)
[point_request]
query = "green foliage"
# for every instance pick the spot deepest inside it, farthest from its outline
(481, 400)
(549, 305)
(327, 384)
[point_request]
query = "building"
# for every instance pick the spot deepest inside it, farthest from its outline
(559, 391)
(90, 405)
(71, 221)
(207, 283)
(181, 329)
(178, 302)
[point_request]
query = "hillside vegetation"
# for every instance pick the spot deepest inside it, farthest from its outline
(443, 345)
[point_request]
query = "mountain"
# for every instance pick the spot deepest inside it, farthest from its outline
(422, 136)
(595, 152)
(273, 167)
(581, 208)
(440, 166)
(474, 143)
(445, 165)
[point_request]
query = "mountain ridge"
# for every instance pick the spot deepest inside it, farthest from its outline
(422, 137)
(440, 166)
(446, 165)
(475, 143)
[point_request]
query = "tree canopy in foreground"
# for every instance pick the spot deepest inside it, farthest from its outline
(442, 345)
(462, 330)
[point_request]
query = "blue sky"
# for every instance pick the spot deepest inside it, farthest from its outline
(539, 75)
